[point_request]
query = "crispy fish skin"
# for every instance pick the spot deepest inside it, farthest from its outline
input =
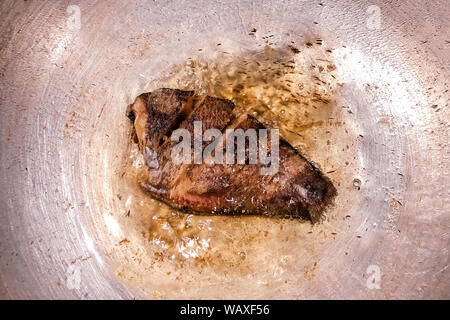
(156, 113)
(297, 190)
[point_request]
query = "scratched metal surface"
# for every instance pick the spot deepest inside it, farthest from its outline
(63, 134)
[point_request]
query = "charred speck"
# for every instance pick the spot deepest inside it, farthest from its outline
(130, 114)
(294, 49)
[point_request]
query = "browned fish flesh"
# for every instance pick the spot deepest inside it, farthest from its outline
(298, 189)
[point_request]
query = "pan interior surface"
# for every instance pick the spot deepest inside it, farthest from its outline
(359, 89)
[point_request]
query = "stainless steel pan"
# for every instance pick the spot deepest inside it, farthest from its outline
(71, 226)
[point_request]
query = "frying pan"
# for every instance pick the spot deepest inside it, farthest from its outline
(75, 226)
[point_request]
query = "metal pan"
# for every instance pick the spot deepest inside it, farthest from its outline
(75, 226)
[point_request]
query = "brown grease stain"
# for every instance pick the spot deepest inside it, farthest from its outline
(270, 85)
(281, 89)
